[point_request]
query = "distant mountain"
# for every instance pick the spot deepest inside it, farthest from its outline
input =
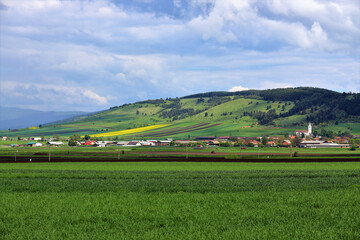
(14, 118)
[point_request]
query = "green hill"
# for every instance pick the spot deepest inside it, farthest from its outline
(245, 113)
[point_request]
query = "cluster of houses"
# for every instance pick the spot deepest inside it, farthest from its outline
(38, 144)
(301, 138)
(133, 143)
(272, 141)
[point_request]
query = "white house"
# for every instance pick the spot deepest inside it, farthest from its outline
(53, 143)
(34, 144)
(100, 144)
(133, 144)
(122, 143)
(35, 138)
(147, 143)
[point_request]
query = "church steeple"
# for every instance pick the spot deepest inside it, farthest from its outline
(309, 129)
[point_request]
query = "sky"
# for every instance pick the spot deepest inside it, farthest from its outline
(69, 55)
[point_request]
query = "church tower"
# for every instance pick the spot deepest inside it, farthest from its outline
(309, 129)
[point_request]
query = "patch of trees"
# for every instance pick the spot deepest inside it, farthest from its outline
(331, 134)
(263, 117)
(181, 113)
(174, 105)
(200, 100)
(213, 101)
(153, 101)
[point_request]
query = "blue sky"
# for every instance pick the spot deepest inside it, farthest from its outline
(90, 55)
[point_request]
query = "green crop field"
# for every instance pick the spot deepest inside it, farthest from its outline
(180, 201)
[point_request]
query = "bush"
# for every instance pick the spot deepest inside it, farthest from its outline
(72, 143)
(225, 144)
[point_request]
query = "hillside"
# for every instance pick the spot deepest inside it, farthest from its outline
(245, 113)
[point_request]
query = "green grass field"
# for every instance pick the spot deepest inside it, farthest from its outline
(180, 201)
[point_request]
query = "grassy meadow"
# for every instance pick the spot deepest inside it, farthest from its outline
(180, 201)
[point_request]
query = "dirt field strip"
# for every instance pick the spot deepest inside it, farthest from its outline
(177, 129)
(186, 131)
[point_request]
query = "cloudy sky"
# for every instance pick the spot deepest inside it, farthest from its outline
(90, 55)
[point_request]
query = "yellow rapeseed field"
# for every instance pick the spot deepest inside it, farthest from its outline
(129, 131)
(33, 127)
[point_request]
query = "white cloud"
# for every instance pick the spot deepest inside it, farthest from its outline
(238, 89)
(99, 49)
(51, 93)
(333, 25)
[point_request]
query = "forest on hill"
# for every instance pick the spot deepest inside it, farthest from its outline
(319, 105)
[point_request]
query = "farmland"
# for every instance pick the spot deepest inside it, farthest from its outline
(168, 153)
(179, 200)
(129, 131)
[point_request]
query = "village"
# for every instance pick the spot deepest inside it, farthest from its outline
(300, 138)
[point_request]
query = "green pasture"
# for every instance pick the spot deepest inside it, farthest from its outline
(179, 201)
(354, 128)
(291, 121)
(236, 108)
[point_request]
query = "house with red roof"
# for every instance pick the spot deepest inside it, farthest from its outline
(271, 144)
(89, 143)
(286, 143)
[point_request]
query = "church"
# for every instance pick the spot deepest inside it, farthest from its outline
(307, 133)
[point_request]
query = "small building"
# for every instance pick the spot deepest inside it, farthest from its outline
(122, 143)
(147, 143)
(53, 143)
(4, 138)
(305, 144)
(164, 142)
(36, 138)
(184, 142)
(214, 143)
(133, 144)
(271, 144)
(88, 143)
(254, 142)
(328, 145)
(286, 143)
(111, 143)
(100, 144)
(34, 144)
(205, 138)
(225, 138)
